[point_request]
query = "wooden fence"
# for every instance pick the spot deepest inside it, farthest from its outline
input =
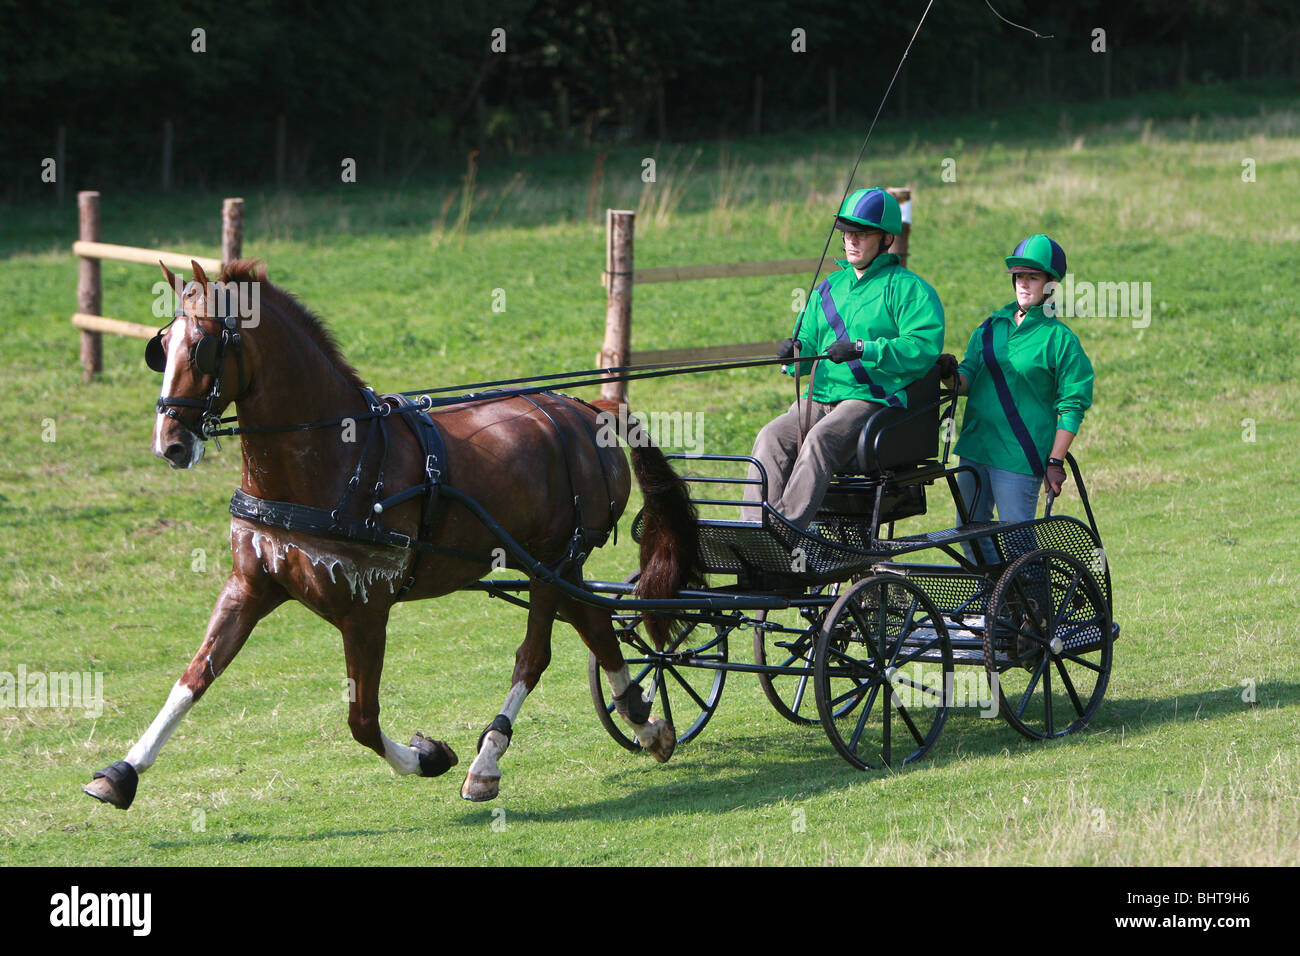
(620, 275)
(90, 293)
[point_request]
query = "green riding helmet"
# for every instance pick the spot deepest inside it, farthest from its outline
(1038, 253)
(870, 209)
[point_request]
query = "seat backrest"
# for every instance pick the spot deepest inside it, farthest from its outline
(902, 436)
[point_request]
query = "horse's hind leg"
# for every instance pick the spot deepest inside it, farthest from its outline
(483, 781)
(240, 606)
(655, 735)
(364, 635)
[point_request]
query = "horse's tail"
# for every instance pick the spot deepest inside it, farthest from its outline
(670, 544)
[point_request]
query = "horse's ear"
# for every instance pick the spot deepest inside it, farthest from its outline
(199, 275)
(171, 279)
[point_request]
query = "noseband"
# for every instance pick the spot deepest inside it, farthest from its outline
(209, 357)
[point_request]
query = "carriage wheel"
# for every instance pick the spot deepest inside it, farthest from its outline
(1047, 646)
(792, 634)
(883, 662)
(684, 695)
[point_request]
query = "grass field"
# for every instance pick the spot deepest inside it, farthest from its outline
(111, 560)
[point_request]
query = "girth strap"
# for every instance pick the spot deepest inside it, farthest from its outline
(330, 524)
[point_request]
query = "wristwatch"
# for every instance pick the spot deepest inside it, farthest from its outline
(860, 345)
(1056, 461)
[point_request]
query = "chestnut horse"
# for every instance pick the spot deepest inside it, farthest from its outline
(532, 463)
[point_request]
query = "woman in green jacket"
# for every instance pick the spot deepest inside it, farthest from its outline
(1029, 383)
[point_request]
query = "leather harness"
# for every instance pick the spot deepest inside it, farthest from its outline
(369, 529)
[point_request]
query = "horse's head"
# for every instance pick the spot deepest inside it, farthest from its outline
(199, 354)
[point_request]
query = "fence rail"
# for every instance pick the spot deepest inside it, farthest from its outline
(90, 292)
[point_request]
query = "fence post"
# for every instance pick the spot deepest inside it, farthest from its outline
(619, 229)
(232, 230)
(899, 247)
(90, 292)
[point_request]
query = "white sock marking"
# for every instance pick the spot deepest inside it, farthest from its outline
(495, 742)
(400, 757)
(145, 751)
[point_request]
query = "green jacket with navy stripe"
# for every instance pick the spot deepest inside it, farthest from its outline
(899, 318)
(1050, 380)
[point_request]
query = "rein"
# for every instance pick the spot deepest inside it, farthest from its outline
(625, 373)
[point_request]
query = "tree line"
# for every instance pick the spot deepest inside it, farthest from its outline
(198, 95)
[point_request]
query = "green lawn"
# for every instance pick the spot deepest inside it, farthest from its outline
(111, 560)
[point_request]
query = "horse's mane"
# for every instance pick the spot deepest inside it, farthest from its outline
(254, 270)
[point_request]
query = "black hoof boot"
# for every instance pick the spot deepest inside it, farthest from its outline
(115, 785)
(436, 758)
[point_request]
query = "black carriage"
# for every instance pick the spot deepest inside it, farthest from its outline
(879, 636)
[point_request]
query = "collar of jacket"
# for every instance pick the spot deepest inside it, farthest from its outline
(882, 261)
(1009, 311)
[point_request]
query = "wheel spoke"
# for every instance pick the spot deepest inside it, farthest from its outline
(862, 720)
(918, 652)
(858, 690)
(886, 736)
(916, 734)
(865, 629)
(1047, 700)
(904, 679)
(688, 688)
(1069, 629)
(664, 703)
(1083, 662)
(1069, 687)
(1015, 662)
(1027, 635)
(686, 632)
(1029, 691)
(907, 627)
(856, 667)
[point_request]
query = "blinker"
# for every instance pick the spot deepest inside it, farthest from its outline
(205, 354)
(154, 355)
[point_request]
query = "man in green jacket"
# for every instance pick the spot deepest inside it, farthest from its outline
(882, 328)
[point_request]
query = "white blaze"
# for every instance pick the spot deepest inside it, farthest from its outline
(175, 353)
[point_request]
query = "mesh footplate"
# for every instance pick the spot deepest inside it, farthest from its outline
(740, 547)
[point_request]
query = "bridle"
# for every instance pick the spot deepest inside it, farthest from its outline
(208, 357)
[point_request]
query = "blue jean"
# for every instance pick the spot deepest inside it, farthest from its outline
(1014, 494)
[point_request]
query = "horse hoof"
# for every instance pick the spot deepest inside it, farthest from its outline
(436, 758)
(115, 784)
(479, 788)
(663, 743)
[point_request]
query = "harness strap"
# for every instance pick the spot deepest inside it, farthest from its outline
(289, 516)
(575, 551)
(365, 453)
(1018, 427)
(604, 466)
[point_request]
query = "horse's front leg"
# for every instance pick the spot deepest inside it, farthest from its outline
(242, 603)
(364, 634)
(483, 781)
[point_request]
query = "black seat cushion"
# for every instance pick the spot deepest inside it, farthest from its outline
(895, 437)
